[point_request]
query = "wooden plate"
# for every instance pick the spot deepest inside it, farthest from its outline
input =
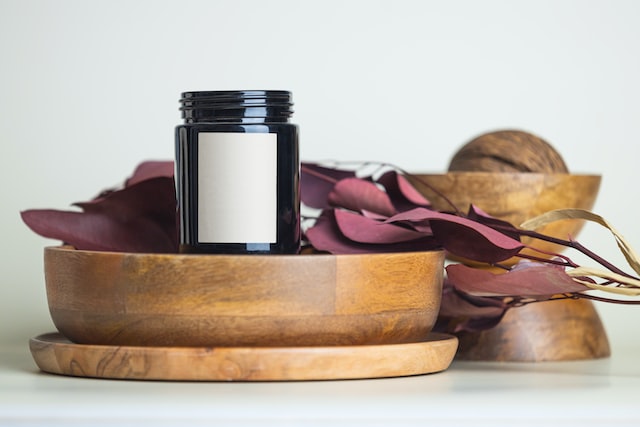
(55, 354)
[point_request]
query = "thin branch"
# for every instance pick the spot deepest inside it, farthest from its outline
(318, 174)
(568, 243)
(563, 261)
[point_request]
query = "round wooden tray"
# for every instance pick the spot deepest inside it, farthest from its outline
(55, 354)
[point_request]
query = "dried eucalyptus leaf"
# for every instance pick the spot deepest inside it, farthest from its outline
(630, 286)
(534, 280)
(462, 236)
(403, 195)
(361, 229)
(316, 182)
(464, 312)
(360, 195)
(151, 169)
(477, 214)
(560, 214)
(138, 218)
(326, 236)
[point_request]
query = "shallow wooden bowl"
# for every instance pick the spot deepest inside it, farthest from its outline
(234, 300)
(514, 197)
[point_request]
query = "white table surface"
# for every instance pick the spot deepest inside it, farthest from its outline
(582, 393)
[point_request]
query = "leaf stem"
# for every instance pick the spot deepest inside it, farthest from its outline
(318, 174)
(568, 243)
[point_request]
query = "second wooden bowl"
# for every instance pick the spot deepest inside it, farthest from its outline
(229, 300)
(514, 197)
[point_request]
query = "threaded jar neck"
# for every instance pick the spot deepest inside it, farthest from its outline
(236, 106)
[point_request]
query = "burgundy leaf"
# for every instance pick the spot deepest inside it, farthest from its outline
(151, 169)
(360, 195)
(154, 197)
(463, 312)
(316, 182)
(138, 218)
(326, 236)
(403, 195)
(464, 237)
(422, 228)
(366, 230)
(457, 304)
(374, 215)
(477, 214)
(536, 280)
(98, 232)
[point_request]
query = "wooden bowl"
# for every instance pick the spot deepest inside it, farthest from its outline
(552, 330)
(514, 197)
(544, 331)
(242, 300)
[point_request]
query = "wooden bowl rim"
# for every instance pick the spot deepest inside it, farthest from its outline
(502, 175)
(70, 249)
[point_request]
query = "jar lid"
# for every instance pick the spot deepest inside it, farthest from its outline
(235, 104)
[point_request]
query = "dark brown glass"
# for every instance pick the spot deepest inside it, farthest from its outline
(241, 112)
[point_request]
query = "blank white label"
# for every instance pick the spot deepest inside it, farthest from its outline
(237, 187)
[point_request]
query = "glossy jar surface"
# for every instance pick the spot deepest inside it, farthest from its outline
(237, 173)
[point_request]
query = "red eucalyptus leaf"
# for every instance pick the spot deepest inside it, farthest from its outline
(98, 232)
(403, 195)
(366, 230)
(326, 236)
(373, 215)
(464, 237)
(151, 169)
(138, 218)
(153, 198)
(424, 229)
(316, 182)
(477, 214)
(455, 304)
(360, 195)
(460, 312)
(534, 281)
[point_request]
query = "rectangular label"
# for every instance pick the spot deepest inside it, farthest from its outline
(237, 187)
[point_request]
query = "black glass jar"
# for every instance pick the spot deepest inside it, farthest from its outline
(237, 173)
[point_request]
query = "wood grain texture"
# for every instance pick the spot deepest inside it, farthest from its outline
(55, 354)
(242, 300)
(508, 151)
(547, 331)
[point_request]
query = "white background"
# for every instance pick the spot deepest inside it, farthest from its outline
(90, 88)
